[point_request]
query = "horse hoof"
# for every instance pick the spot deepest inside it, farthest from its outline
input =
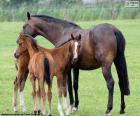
(35, 112)
(122, 112)
(108, 113)
(39, 111)
(75, 109)
(15, 109)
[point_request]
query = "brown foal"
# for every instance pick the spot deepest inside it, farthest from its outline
(46, 63)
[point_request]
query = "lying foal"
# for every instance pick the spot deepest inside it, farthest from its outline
(48, 63)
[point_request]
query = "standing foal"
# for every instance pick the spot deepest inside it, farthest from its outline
(46, 63)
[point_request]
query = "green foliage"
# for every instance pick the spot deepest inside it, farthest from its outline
(14, 10)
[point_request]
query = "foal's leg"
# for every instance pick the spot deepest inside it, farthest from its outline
(22, 85)
(39, 99)
(69, 81)
(17, 84)
(106, 69)
(49, 94)
(43, 94)
(60, 90)
(34, 93)
(65, 104)
(15, 95)
(75, 86)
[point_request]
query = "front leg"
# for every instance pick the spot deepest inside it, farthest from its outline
(69, 82)
(75, 86)
(22, 85)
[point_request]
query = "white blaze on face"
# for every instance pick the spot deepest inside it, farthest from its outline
(75, 50)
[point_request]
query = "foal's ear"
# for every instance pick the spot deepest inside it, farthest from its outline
(79, 37)
(28, 15)
(72, 37)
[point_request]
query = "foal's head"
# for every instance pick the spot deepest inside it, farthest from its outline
(76, 43)
(23, 43)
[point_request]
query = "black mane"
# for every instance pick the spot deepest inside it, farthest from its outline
(56, 20)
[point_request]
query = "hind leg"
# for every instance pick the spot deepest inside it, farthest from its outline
(43, 95)
(122, 104)
(106, 69)
(39, 99)
(34, 93)
(49, 94)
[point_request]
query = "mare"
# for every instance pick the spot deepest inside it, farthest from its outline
(101, 46)
(46, 63)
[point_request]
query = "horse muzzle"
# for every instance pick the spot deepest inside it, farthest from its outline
(16, 55)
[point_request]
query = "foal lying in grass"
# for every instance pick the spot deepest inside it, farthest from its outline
(46, 63)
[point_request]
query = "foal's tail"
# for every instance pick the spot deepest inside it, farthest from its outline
(120, 64)
(47, 71)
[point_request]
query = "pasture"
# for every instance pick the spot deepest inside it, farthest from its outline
(92, 86)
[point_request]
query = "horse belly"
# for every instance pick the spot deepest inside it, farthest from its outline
(87, 57)
(88, 63)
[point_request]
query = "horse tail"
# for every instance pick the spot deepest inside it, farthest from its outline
(120, 64)
(47, 71)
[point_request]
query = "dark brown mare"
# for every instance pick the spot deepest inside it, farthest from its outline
(100, 47)
(46, 63)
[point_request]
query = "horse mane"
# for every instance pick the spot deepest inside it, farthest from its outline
(56, 20)
(33, 42)
(63, 43)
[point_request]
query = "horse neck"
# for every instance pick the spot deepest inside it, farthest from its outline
(31, 50)
(64, 52)
(56, 33)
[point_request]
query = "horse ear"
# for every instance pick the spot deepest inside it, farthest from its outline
(28, 15)
(72, 36)
(79, 36)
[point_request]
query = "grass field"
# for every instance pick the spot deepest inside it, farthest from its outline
(92, 87)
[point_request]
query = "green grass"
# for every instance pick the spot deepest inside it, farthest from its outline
(92, 87)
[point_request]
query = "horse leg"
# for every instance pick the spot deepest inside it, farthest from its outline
(22, 85)
(69, 81)
(39, 100)
(75, 86)
(60, 90)
(65, 104)
(49, 94)
(15, 95)
(43, 94)
(17, 84)
(110, 85)
(122, 104)
(34, 93)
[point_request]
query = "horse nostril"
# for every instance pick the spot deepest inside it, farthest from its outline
(15, 55)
